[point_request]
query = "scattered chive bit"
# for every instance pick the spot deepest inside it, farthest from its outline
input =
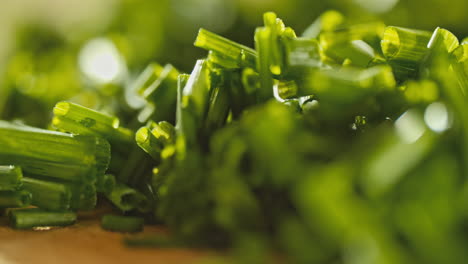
(346, 144)
(122, 223)
(36, 218)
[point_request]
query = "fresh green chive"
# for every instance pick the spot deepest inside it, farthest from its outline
(15, 199)
(147, 77)
(405, 49)
(48, 195)
(124, 197)
(106, 183)
(35, 218)
(244, 56)
(149, 143)
(10, 178)
(53, 154)
(122, 223)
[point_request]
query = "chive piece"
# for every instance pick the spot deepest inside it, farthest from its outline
(346, 85)
(243, 55)
(10, 178)
(286, 89)
(196, 91)
(222, 60)
(14, 199)
(162, 94)
(460, 65)
(122, 223)
(302, 52)
(277, 28)
(106, 183)
(83, 196)
(355, 32)
(218, 108)
(48, 195)
(262, 45)
(124, 197)
(33, 217)
(89, 118)
(53, 154)
(405, 49)
(328, 21)
(149, 143)
(147, 77)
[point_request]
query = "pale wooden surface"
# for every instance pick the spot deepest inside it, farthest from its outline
(85, 242)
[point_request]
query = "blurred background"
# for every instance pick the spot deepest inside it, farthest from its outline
(52, 50)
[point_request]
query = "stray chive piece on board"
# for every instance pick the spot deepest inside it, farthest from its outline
(122, 223)
(36, 218)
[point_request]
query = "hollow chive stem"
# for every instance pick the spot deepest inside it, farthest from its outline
(87, 117)
(242, 55)
(53, 154)
(222, 60)
(149, 143)
(48, 195)
(14, 199)
(106, 183)
(218, 108)
(124, 197)
(33, 217)
(122, 223)
(405, 49)
(10, 177)
(147, 77)
(263, 47)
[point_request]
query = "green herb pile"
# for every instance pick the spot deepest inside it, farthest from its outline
(346, 144)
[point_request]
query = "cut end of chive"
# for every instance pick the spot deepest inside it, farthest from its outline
(142, 135)
(61, 109)
(391, 42)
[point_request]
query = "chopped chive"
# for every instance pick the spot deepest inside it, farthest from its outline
(124, 197)
(356, 32)
(222, 60)
(147, 77)
(286, 89)
(106, 183)
(302, 52)
(48, 195)
(149, 143)
(53, 154)
(405, 49)
(164, 132)
(162, 93)
(89, 118)
(347, 84)
(328, 21)
(10, 178)
(33, 217)
(277, 28)
(262, 45)
(244, 56)
(460, 65)
(196, 91)
(14, 199)
(218, 108)
(83, 196)
(122, 223)
(356, 52)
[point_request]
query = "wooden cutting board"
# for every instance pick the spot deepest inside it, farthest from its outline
(84, 242)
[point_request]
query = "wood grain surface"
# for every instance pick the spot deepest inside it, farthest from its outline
(84, 242)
